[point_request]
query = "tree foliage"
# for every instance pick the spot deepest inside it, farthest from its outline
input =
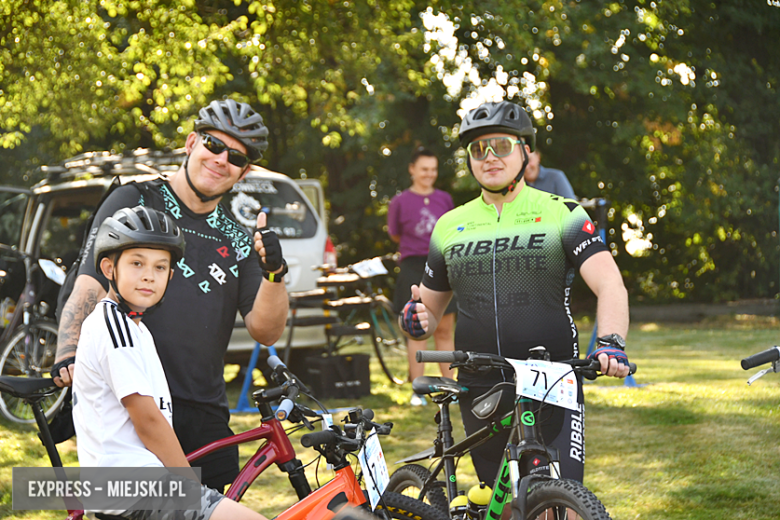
(668, 109)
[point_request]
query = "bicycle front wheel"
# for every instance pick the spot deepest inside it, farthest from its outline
(30, 355)
(564, 499)
(389, 341)
(400, 507)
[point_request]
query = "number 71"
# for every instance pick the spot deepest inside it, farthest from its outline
(536, 379)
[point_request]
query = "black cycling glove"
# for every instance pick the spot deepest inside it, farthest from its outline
(55, 370)
(410, 321)
(273, 250)
(611, 352)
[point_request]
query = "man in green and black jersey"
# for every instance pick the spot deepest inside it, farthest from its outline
(510, 257)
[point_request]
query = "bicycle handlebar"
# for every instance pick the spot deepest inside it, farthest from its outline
(480, 359)
(287, 404)
(274, 362)
(767, 356)
(349, 439)
(438, 356)
(318, 438)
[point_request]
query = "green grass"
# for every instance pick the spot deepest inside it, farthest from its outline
(695, 442)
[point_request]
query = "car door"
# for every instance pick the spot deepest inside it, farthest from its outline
(14, 204)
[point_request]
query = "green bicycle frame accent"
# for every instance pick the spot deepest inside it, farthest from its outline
(502, 493)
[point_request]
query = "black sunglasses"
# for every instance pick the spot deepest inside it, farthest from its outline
(216, 147)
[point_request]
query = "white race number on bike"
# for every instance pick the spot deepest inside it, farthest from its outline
(546, 381)
(369, 268)
(374, 467)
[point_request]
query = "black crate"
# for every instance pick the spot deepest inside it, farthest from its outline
(339, 377)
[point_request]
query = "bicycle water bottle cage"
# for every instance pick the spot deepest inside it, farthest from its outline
(497, 402)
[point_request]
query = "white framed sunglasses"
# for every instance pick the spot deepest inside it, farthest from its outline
(500, 146)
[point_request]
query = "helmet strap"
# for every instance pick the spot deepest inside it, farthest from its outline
(201, 196)
(511, 185)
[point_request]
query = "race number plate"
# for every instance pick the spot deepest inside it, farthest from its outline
(374, 467)
(551, 382)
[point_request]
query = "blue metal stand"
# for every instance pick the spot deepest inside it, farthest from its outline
(243, 405)
(601, 205)
(243, 401)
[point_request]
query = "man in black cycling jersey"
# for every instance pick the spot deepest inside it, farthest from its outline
(510, 257)
(224, 270)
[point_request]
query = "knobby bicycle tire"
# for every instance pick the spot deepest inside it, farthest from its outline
(408, 480)
(14, 362)
(400, 507)
(389, 342)
(556, 499)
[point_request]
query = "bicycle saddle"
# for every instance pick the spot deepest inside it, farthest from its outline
(25, 387)
(497, 402)
(426, 385)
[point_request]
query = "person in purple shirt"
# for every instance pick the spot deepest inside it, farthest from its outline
(410, 220)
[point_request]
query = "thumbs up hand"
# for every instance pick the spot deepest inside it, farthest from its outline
(268, 246)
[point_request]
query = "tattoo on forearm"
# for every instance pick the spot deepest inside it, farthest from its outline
(75, 311)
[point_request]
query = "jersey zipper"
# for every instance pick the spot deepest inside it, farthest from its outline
(495, 288)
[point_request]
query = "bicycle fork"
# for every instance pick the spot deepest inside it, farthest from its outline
(511, 483)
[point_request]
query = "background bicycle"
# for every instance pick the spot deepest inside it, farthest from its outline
(771, 355)
(359, 318)
(28, 343)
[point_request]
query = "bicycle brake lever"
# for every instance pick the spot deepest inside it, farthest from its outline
(384, 429)
(590, 375)
(307, 423)
(308, 412)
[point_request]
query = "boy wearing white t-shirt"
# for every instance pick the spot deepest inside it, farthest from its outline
(122, 404)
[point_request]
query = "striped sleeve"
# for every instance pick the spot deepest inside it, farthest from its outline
(124, 366)
(118, 327)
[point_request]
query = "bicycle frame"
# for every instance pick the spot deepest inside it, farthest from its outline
(509, 480)
(278, 449)
(325, 502)
(320, 504)
(21, 314)
(454, 451)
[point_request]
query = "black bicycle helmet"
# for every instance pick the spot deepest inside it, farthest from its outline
(238, 120)
(138, 227)
(503, 117)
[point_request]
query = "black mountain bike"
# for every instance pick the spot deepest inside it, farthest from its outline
(532, 496)
(28, 345)
(364, 310)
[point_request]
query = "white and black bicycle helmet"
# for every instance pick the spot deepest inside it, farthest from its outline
(238, 120)
(138, 227)
(503, 117)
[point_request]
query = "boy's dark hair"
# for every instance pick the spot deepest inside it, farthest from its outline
(421, 151)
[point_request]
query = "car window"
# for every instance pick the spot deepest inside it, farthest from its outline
(289, 215)
(12, 206)
(313, 191)
(66, 223)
